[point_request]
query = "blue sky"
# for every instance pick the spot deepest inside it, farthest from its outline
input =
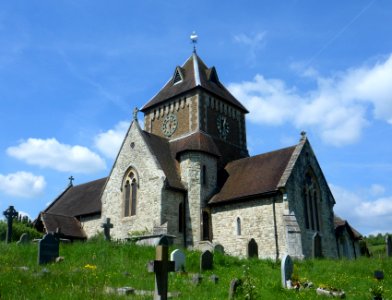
(71, 73)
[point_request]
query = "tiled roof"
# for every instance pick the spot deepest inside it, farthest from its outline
(79, 200)
(195, 74)
(198, 141)
(253, 176)
(69, 226)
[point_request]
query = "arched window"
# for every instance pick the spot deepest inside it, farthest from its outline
(238, 226)
(130, 195)
(311, 202)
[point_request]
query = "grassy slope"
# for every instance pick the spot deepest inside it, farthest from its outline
(90, 267)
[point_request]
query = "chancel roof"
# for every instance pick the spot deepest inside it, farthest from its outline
(340, 224)
(194, 73)
(253, 176)
(79, 200)
(69, 227)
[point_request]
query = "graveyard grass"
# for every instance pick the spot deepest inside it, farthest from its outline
(88, 268)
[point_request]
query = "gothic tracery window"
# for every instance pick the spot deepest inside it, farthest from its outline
(311, 202)
(130, 195)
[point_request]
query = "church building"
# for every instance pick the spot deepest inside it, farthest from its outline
(188, 174)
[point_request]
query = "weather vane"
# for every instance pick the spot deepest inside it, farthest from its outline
(194, 38)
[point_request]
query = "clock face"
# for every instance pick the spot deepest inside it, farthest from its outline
(223, 126)
(169, 125)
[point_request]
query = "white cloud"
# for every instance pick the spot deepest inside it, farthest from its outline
(22, 184)
(109, 142)
(50, 153)
(253, 42)
(336, 109)
(369, 214)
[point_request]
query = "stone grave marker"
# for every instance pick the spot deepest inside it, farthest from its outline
(106, 228)
(388, 244)
(214, 278)
(48, 249)
(286, 268)
(161, 266)
(179, 260)
(234, 285)
(197, 279)
(219, 248)
(10, 213)
(206, 261)
(24, 239)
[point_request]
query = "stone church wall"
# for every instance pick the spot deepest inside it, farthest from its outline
(294, 190)
(170, 213)
(150, 181)
(198, 193)
(256, 220)
(91, 225)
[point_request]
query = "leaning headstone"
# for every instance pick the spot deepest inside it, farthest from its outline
(48, 249)
(286, 269)
(10, 213)
(219, 248)
(234, 285)
(24, 239)
(179, 260)
(106, 228)
(197, 279)
(206, 261)
(161, 266)
(388, 244)
(214, 278)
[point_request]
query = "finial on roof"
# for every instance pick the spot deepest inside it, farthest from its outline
(71, 179)
(135, 111)
(194, 38)
(303, 135)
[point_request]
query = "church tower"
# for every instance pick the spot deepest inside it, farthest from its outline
(205, 126)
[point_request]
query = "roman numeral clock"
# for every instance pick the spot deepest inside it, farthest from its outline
(169, 125)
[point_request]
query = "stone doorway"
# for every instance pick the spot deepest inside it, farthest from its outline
(253, 249)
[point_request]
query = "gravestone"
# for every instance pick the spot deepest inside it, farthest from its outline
(253, 249)
(48, 249)
(388, 244)
(197, 279)
(106, 228)
(219, 248)
(206, 261)
(317, 250)
(10, 213)
(179, 260)
(234, 285)
(24, 239)
(214, 278)
(161, 266)
(286, 269)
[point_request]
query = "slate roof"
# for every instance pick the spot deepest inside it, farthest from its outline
(198, 141)
(253, 176)
(195, 75)
(70, 227)
(340, 224)
(79, 200)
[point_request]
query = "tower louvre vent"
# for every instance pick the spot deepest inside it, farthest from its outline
(177, 77)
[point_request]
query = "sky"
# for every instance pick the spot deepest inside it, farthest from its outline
(71, 73)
